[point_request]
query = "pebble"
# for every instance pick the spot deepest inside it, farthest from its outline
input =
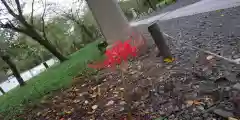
(94, 107)
(111, 102)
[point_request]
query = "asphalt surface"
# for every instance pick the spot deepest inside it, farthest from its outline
(196, 8)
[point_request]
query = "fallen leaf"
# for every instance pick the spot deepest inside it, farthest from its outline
(231, 118)
(122, 103)
(222, 15)
(111, 102)
(121, 89)
(76, 101)
(168, 60)
(196, 102)
(193, 102)
(68, 112)
(39, 113)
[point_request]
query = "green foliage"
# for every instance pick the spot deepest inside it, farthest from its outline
(54, 78)
(141, 6)
(163, 3)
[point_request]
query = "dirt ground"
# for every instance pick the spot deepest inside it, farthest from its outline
(155, 90)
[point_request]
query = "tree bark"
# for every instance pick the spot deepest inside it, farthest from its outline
(1, 90)
(13, 67)
(45, 65)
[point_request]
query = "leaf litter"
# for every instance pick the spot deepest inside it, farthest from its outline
(156, 90)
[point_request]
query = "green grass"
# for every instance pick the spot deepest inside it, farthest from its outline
(54, 78)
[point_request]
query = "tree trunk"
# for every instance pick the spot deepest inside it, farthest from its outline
(13, 67)
(53, 50)
(34, 35)
(1, 90)
(84, 28)
(45, 65)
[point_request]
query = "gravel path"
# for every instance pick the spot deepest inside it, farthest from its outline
(216, 31)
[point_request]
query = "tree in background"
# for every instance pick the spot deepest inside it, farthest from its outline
(12, 66)
(4, 41)
(150, 4)
(21, 25)
(77, 15)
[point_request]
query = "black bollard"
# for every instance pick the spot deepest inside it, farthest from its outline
(159, 40)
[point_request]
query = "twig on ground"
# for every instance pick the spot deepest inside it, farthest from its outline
(236, 61)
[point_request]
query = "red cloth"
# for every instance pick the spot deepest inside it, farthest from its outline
(120, 51)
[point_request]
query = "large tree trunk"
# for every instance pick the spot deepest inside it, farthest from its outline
(13, 67)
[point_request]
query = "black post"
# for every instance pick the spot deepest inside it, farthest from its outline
(159, 41)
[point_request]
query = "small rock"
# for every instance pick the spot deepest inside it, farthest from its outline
(210, 57)
(121, 109)
(200, 107)
(231, 118)
(121, 89)
(94, 107)
(223, 113)
(39, 113)
(86, 102)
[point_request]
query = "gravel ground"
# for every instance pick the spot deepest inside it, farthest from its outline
(216, 31)
(177, 91)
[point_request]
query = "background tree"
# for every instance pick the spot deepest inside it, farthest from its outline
(4, 41)
(81, 17)
(20, 24)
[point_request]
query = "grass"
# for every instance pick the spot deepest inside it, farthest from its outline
(54, 78)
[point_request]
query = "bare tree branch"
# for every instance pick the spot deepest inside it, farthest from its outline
(9, 9)
(31, 19)
(43, 21)
(19, 7)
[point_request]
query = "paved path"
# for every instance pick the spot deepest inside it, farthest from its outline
(196, 8)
